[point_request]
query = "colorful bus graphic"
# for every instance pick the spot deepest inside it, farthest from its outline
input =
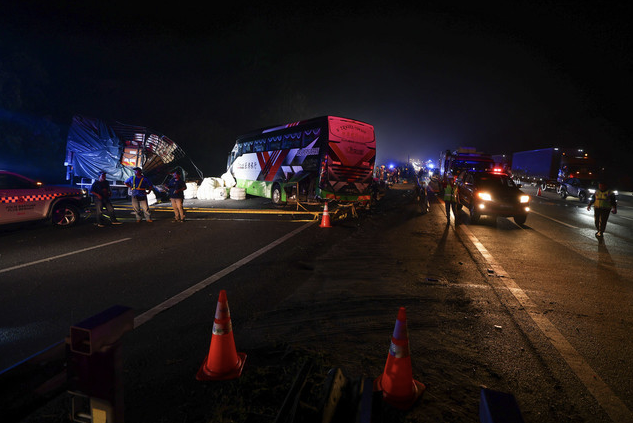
(327, 158)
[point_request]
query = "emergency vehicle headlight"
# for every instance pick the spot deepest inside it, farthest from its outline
(484, 196)
(524, 199)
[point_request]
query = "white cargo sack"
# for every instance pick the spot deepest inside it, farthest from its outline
(219, 193)
(205, 190)
(229, 180)
(191, 191)
(238, 193)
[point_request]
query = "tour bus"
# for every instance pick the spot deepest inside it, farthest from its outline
(326, 158)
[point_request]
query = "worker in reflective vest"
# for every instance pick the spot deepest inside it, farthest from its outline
(140, 187)
(603, 201)
(450, 197)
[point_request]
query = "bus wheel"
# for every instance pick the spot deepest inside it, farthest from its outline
(276, 195)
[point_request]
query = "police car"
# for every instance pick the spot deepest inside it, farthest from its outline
(22, 200)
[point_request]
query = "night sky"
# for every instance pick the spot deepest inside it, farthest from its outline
(500, 77)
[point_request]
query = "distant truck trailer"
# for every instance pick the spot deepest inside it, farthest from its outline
(464, 158)
(548, 167)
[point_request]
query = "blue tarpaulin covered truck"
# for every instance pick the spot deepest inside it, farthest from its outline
(94, 145)
(547, 167)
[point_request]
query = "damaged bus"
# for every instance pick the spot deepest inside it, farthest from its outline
(324, 158)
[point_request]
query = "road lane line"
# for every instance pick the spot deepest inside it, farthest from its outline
(151, 313)
(607, 399)
(20, 266)
(557, 221)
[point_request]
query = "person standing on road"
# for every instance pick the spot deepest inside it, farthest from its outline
(176, 195)
(140, 186)
(101, 192)
(422, 196)
(450, 197)
(603, 201)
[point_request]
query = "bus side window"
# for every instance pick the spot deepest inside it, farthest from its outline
(309, 136)
(274, 143)
(260, 145)
(291, 141)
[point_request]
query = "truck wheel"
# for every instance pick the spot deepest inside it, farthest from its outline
(520, 219)
(64, 215)
(275, 195)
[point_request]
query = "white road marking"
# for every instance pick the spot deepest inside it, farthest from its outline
(151, 313)
(607, 399)
(20, 266)
(554, 220)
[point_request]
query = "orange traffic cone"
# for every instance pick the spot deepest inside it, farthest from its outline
(222, 362)
(539, 192)
(325, 220)
(398, 387)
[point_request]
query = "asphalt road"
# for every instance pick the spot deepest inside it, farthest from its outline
(52, 278)
(541, 310)
(577, 288)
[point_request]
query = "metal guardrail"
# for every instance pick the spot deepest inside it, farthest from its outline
(88, 361)
(33, 382)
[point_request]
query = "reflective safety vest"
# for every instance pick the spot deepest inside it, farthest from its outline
(602, 199)
(140, 183)
(139, 189)
(449, 192)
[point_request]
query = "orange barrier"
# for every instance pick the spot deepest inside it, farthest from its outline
(223, 361)
(398, 387)
(325, 220)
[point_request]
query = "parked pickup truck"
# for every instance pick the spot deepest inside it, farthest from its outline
(23, 200)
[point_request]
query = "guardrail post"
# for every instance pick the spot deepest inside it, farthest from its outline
(95, 366)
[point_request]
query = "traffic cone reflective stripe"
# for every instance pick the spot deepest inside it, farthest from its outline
(398, 387)
(223, 361)
(325, 220)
